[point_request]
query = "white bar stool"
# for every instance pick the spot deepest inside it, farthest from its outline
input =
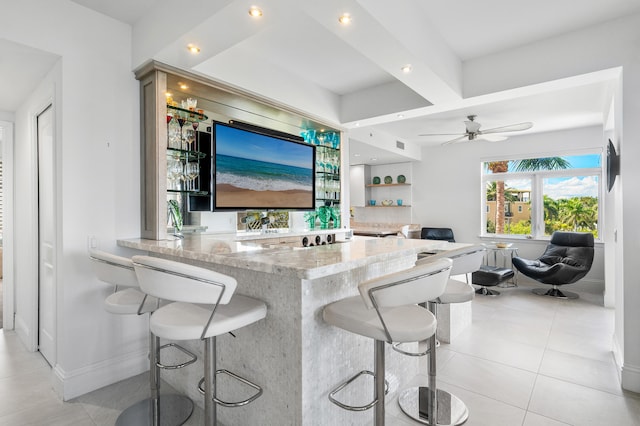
(204, 307)
(127, 299)
(422, 403)
(386, 311)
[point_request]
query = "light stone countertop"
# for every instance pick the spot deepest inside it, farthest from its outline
(288, 259)
(295, 283)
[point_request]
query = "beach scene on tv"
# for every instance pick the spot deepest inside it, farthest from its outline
(258, 171)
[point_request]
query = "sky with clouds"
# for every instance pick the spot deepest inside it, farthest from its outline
(567, 187)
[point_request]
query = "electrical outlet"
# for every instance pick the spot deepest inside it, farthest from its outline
(92, 242)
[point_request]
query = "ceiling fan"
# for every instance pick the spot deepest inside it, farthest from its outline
(472, 131)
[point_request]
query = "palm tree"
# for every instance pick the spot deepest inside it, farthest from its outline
(526, 165)
(551, 212)
(579, 214)
(499, 167)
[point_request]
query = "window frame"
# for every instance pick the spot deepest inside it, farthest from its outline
(537, 195)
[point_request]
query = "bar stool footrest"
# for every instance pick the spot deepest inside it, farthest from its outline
(219, 401)
(396, 347)
(191, 355)
(349, 381)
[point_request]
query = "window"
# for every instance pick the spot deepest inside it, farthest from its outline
(541, 195)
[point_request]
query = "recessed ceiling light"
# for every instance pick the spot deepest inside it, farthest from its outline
(357, 124)
(356, 155)
(168, 94)
(373, 159)
(406, 68)
(255, 12)
(400, 116)
(345, 19)
(193, 49)
(183, 86)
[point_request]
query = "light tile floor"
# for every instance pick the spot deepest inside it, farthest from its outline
(526, 360)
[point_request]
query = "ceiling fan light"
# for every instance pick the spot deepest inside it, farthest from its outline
(472, 126)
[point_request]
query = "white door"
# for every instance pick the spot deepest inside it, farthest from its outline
(46, 236)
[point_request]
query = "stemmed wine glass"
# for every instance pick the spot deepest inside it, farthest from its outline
(171, 175)
(192, 170)
(178, 171)
(194, 124)
(169, 118)
(189, 137)
(181, 117)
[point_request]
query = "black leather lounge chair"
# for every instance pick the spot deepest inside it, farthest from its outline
(567, 258)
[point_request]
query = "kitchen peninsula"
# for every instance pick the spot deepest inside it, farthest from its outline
(293, 354)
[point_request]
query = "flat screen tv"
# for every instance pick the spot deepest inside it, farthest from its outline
(613, 165)
(259, 169)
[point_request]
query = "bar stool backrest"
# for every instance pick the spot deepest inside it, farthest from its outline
(181, 282)
(415, 285)
(465, 260)
(113, 269)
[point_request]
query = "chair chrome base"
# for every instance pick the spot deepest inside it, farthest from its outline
(173, 410)
(555, 292)
(487, 292)
(450, 409)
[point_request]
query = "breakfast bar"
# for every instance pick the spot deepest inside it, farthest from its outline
(293, 354)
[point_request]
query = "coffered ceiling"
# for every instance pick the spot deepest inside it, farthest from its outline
(299, 54)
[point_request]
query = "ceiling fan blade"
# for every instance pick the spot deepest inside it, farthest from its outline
(452, 141)
(510, 128)
(492, 138)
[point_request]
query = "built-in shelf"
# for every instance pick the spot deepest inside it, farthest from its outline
(398, 207)
(376, 185)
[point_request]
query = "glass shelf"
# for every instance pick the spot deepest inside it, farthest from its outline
(329, 175)
(185, 154)
(190, 116)
(186, 191)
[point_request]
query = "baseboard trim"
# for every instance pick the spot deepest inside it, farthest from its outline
(71, 384)
(618, 356)
(630, 378)
(21, 327)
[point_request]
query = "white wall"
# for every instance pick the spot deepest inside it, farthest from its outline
(447, 183)
(610, 45)
(7, 116)
(97, 155)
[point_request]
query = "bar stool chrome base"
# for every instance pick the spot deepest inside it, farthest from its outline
(451, 410)
(173, 410)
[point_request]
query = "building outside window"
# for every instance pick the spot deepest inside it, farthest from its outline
(538, 196)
